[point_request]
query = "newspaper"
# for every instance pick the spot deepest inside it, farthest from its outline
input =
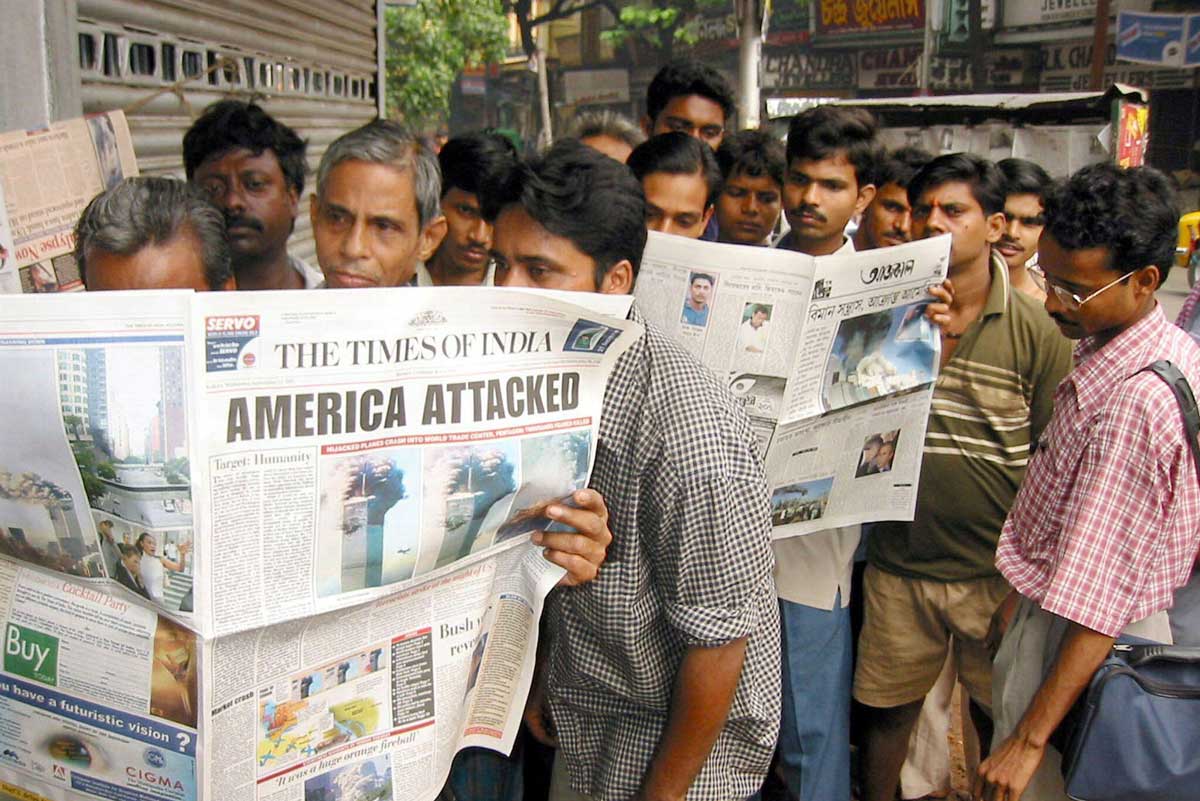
(47, 178)
(831, 356)
(321, 504)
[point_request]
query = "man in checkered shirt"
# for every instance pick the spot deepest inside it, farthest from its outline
(661, 677)
(1107, 522)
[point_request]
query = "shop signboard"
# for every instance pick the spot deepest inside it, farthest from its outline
(841, 17)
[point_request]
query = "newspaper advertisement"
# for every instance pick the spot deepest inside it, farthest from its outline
(47, 178)
(831, 356)
(360, 447)
(95, 476)
(98, 695)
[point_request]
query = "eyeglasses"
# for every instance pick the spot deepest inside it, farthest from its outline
(1065, 296)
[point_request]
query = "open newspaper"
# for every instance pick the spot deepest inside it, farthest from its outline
(46, 178)
(278, 543)
(832, 357)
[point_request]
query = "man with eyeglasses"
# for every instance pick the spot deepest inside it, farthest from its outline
(931, 586)
(1107, 524)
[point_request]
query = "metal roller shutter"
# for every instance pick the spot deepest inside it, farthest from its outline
(310, 65)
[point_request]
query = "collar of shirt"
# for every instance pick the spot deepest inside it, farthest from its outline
(1098, 368)
(997, 298)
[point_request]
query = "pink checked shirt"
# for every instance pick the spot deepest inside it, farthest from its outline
(1107, 521)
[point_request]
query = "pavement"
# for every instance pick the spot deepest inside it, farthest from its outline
(1172, 294)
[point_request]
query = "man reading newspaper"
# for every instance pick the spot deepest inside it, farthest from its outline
(661, 678)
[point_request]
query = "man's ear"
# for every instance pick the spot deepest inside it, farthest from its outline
(647, 125)
(1146, 280)
(996, 224)
(312, 210)
(708, 213)
(618, 280)
(431, 237)
(293, 201)
(230, 285)
(866, 193)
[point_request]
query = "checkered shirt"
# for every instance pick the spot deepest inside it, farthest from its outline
(1107, 522)
(1188, 310)
(690, 565)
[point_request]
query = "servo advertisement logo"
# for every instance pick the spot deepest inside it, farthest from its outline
(31, 654)
(227, 341)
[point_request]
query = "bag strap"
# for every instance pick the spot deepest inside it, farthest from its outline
(1136, 655)
(1178, 383)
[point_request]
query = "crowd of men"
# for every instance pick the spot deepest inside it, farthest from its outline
(1058, 503)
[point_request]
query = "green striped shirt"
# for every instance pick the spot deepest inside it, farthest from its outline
(991, 400)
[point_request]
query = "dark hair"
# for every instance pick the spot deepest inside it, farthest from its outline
(900, 165)
(754, 154)
(820, 132)
(677, 154)
(582, 195)
(152, 211)
(686, 77)
(984, 178)
(874, 439)
(701, 277)
(1131, 212)
(477, 162)
(227, 124)
(1023, 177)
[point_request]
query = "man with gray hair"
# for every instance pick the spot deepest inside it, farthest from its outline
(376, 214)
(152, 233)
(613, 134)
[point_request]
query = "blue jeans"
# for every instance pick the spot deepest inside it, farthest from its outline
(814, 734)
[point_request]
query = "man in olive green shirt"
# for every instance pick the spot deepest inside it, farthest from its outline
(1002, 358)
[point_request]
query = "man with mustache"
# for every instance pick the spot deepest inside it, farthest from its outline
(252, 168)
(752, 166)
(470, 164)
(935, 578)
(1107, 524)
(831, 155)
(1024, 217)
(887, 220)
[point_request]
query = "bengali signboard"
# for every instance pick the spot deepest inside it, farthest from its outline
(840, 17)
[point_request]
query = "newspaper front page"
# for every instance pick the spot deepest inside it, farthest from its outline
(365, 468)
(831, 356)
(350, 449)
(47, 177)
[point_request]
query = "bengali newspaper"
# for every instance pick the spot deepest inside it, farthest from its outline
(831, 356)
(299, 521)
(47, 177)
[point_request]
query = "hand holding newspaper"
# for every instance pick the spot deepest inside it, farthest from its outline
(327, 499)
(832, 356)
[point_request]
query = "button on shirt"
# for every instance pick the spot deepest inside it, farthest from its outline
(689, 565)
(1107, 522)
